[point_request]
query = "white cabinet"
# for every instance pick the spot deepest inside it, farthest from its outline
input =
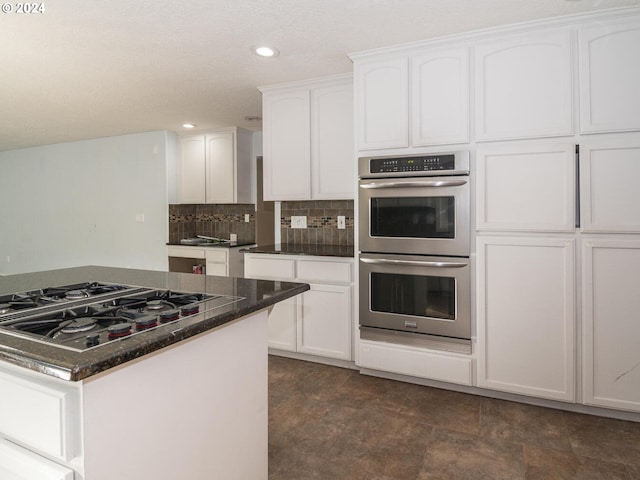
(526, 188)
(526, 316)
(320, 321)
(216, 167)
(524, 86)
(17, 463)
(610, 75)
(219, 261)
(382, 103)
(417, 99)
(609, 173)
(308, 140)
(611, 330)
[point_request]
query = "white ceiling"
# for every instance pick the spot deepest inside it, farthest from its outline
(95, 68)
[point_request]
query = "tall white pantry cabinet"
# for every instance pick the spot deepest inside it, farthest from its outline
(557, 241)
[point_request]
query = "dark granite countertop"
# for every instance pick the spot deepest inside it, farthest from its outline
(73, 365)
(211, 245)
(301, 249)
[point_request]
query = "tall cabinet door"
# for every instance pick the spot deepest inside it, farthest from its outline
(286, 143)
(609, 76)
(611, 325)
(332, 155)
(192, 169)
(524, 87)
(220, 168)
(440, 97)
(382, 103)
(526, 316)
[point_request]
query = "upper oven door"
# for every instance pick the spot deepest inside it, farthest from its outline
(418, 215)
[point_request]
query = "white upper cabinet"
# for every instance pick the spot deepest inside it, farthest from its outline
(192, 161)
(609, 173)
(286, 140)
(524, 86)
(382, 103)
(216, 167)
(609, 56)
(440, 97)
(332, 155)
(413, 100)
(526, 188)
(308, 140)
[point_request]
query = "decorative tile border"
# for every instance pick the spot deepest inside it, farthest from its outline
(322, 222)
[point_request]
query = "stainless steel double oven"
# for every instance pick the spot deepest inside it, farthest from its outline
(414, 231)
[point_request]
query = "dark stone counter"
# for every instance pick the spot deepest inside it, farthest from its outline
(302, 249)
(73, 365)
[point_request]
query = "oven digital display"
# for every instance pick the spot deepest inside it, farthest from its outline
(412, 164)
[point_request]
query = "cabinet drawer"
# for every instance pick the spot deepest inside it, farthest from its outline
(216, 256)
(185, 252)
(17, 463)
(271, 268)
(38, 415)
(325, 272)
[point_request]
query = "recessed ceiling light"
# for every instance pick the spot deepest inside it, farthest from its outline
(189, 125)
(265, 51)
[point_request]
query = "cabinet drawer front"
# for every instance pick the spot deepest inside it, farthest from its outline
(185, 252)
(37, 415)
(216, 256)
(271, 268)
(326, 272)
(415, 362)
(17, 463)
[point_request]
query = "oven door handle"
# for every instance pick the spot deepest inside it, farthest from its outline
(415, 183)
(413, 263)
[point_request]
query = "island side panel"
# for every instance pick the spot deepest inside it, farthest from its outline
(195, 410)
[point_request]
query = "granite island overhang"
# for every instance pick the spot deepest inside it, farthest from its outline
(253, 295)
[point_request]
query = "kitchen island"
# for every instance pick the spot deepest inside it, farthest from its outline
(186, 399)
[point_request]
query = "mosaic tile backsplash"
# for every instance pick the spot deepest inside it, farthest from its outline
(322, 222)
(215, 220)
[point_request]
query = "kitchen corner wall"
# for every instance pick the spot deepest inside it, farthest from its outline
(322, 222)
(214, 220)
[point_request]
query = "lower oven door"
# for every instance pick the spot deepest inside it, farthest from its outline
(417, 294)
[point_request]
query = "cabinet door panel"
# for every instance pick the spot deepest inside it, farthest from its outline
(609, 76)
(282, 325)
(324, 326)
(611, 326)
(609, 176)
(332, 155)
(440, 98)
(192, 170)
(526, 189)
(17, 463)
(524, 87)
(382, 104)
(220, 168)
(286, 137)
(526, 316)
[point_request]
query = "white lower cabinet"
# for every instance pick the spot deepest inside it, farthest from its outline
(320, 321)
(526, 316)
(611, 323)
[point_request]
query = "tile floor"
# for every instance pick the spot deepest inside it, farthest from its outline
(329, 423)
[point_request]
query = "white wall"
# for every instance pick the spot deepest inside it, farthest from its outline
(76, 203)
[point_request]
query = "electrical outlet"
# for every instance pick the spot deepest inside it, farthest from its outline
(247, 217)
(298, 221)
(233, 237)
(140, 217)
(341, 222)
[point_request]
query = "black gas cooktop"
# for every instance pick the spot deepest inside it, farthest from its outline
(87, 315)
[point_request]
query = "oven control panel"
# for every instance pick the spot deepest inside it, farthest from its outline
(412, 164)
